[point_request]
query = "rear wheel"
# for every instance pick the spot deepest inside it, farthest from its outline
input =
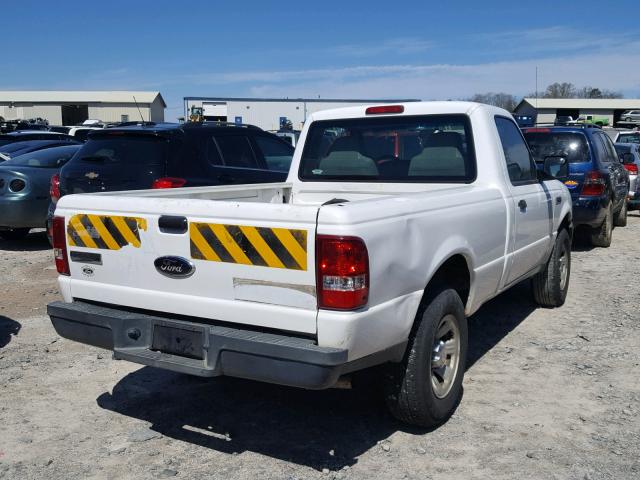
(621, 217)
(551, 284)
(14, 233)
(601, 236)
(426, 387)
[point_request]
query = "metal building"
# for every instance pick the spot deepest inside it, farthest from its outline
(269, 113)
(547, 109)
(74, 107)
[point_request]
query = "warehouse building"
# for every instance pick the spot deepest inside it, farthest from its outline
(73, 108)
(268, 113)
(547, 109)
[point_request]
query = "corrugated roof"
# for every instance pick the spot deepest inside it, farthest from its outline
(63, 96)
(579, 103)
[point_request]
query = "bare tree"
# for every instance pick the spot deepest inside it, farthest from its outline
(591, 92)
(560, 90)
(500, 99)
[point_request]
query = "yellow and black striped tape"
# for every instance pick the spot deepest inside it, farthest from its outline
(259, 246)
(107, 232)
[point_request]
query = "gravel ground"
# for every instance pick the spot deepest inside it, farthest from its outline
(551, 394)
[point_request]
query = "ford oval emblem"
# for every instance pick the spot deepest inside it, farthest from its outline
(174, 267)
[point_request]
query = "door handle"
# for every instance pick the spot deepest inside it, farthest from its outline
(522, 204)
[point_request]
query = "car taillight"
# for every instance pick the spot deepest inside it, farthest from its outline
(59, 240)
(594, 184)
(54, 188)
(168, 182)
(342, 271)
(632, 168)
(384, 109)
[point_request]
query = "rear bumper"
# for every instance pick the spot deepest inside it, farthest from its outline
(589, 211)
(22, 212)
(209, 350)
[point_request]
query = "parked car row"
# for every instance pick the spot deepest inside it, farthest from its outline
(597, 177)
(129, 158)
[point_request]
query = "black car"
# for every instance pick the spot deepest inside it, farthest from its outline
(14, 149)
(21, 136)
(175, 155)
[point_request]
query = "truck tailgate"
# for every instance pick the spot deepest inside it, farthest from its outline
(242, 262)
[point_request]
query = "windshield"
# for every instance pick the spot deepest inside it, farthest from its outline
(48, 158)
(571, 145)
(123, 150)
(430, 148)
(629, 138)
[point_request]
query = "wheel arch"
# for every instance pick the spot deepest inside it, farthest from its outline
(567, 224)
(455, 271)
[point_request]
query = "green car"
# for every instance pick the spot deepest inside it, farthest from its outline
(593, 120)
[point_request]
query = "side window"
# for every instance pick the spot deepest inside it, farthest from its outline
(519, 163)
(601, 153)
(212, 152)
(611, 151)
(236, 151)
(277, 155)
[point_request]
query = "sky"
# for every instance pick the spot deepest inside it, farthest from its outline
(349, 49)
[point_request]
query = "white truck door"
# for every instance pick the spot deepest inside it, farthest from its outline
(531, 203)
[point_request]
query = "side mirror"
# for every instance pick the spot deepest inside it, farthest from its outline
(627, 158)
(556, 166)
(515, 172)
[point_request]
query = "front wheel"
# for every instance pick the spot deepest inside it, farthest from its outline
(14, 233)
(550, 285)
(621, 217)
(426, 387)
(601, 236)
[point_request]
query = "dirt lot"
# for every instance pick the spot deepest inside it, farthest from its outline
(548, 394)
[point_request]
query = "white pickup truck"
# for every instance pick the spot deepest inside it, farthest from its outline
(395, 224)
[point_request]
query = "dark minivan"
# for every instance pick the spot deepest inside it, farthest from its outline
(597, 181)
(173, 155)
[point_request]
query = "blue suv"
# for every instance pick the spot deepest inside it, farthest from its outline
(597, 181)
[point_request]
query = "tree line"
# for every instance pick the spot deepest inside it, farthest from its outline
(555, 90)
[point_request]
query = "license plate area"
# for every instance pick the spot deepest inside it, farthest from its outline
(178, 341)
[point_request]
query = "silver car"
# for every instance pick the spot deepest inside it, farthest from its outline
(631, 116)
(629, 154)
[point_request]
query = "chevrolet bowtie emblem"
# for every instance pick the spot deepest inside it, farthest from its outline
(91, 175)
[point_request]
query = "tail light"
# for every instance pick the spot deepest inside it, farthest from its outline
(54, 188)
(632, 168)
(342, 272)
(594, 184)
(168, 182)
(60, 245)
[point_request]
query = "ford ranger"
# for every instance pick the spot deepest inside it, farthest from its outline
(396, 222)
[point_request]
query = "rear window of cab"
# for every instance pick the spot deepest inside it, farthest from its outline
(423, 149)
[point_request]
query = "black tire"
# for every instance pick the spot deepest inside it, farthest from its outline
(620, 219)
(14, 234)
(550, 285)
(409, 389)
(601, 236)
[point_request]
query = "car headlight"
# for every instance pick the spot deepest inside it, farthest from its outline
(17, 185)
